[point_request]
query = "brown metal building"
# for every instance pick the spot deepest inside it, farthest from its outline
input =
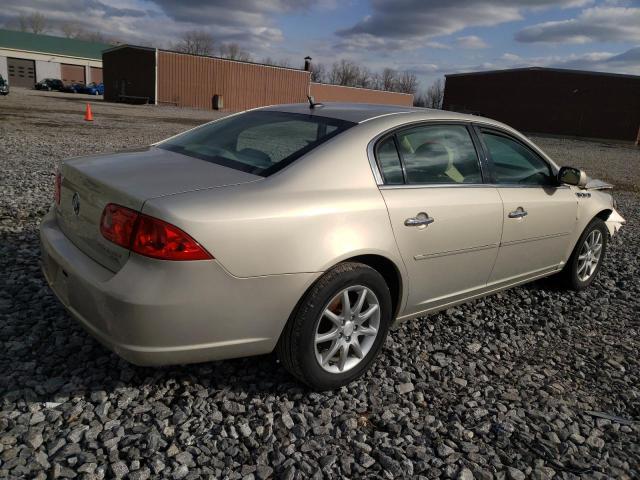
(323, 92)
(550, 100)
(148, 75)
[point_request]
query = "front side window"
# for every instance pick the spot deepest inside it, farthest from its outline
(260, 142)
(434, 154)
(513, 163)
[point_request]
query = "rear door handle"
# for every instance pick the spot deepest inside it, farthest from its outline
(518, 213)
(420, 220)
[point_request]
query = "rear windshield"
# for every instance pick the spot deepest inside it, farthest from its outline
(260, 142)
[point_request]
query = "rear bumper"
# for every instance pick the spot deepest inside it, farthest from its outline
(155, 312)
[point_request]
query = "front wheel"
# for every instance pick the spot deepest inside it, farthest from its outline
(587, 257)
(338, 328)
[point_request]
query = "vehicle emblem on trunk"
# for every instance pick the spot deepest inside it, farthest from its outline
(75, 202)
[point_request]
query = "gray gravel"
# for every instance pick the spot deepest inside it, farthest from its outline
(535, 382)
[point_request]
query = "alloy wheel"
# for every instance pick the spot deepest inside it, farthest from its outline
(347, 329)
(589, 255)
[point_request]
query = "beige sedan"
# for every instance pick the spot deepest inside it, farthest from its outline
(311, 229)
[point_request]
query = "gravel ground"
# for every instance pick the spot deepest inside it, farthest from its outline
(535, 382)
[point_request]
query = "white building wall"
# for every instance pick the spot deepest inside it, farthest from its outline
(4, 71)
(47, 69)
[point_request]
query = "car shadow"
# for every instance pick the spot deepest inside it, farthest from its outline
(47, 357)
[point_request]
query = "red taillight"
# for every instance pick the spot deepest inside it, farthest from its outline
(58, 187)
(149, 236)
(158, 239)
(117, 224)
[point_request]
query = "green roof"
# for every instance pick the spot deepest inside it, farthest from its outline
(69, 47)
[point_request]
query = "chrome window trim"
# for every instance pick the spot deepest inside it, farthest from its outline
(375, 168)
(483, 156)
(492, 129)
(467, 185)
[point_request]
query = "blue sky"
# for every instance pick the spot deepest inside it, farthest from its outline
(428, 37)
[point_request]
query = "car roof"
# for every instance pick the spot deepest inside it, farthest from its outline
(362, 112)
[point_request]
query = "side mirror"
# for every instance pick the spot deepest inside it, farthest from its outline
(572, 176)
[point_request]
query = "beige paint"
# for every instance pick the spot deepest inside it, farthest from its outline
(273, 237)
(454, 253)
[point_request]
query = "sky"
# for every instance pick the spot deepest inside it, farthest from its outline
(428, 37)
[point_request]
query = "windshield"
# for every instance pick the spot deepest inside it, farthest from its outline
(259, 142)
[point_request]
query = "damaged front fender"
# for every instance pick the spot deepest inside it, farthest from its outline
(614, 222)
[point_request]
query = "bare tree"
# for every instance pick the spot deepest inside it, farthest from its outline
(376, 81)
(364, 78)
(435, 94)
(195, 42)
(407, 83)
(318, 73)
(97, 37)
(35, 23)
(344, 72)
(388, 79)
(285, 62)
(70, 30)
(232, 51)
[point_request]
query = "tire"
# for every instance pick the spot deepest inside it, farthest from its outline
(575, 275)
(297, 348)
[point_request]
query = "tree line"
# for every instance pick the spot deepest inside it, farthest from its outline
(200, 42)
(344, 72)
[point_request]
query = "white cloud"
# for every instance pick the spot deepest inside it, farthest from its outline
(598, 24)
(471, 42)
(394, 24)
(161, 22)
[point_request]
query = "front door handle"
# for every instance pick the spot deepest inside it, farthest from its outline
(420, 220)
(518, 213)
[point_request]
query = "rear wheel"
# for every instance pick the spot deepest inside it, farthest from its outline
(338, 328)
(587, 257)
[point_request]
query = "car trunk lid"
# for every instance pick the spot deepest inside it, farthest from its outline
(128, 179)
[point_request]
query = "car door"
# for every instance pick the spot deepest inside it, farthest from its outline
(446, 221)
(539, 213)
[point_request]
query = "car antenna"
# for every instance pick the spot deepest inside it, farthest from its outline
(312, 102)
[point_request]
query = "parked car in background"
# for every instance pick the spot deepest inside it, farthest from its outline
(49, 84)
(4, 86)
(93, 89)
(73, 88)
(310, 230)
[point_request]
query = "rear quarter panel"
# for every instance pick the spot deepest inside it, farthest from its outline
(322, 209)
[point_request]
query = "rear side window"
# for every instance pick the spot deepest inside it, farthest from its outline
(513, 163)
(439, 154)
(389, 161)
(260, 142)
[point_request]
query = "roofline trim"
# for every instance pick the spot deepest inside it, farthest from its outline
(543, 69)
(97, 59)
(126, 45)
(139, 47)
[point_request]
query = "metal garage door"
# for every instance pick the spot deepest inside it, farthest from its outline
(22, 73)
(96, 75)
(72, 73)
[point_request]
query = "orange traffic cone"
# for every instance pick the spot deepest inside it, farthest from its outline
(88, 116)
